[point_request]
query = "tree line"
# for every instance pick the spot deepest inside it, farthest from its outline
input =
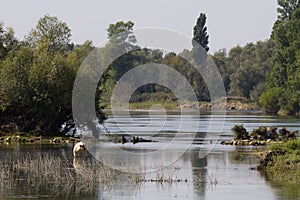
(37, 73)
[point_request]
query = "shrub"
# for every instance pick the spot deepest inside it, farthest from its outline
(240, 132)
(260, 133)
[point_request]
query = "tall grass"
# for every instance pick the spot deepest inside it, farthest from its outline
(285, 168)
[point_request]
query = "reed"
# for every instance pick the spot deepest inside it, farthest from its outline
(47, 170)
(51, 171)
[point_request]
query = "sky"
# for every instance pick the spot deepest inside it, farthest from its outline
(229, 22)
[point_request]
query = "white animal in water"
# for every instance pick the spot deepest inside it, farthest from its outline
(79, 150)
(79, 153)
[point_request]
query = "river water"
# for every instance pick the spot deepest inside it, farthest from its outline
(196, 165)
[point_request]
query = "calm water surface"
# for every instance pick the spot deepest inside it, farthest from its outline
(224, 173)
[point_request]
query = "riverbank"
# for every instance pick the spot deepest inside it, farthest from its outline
(281, 163)
(175, 106)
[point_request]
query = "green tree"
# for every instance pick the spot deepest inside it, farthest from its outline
(286, 34)
(200, 32)
(120, 39)
(286, 8)
(15, 79)
(220, 58)
(15, 91)
(50, 30)
(8, 41)
(251, 66)
(270, 100)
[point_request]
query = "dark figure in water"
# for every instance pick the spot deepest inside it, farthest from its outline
(135, 139)
(123, 139)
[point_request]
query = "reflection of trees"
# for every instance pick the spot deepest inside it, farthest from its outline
(199, 173)
(242, 156)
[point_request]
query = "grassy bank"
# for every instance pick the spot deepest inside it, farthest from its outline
(284, 168)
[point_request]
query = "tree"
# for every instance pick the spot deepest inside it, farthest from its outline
(52, 31)
(15, 91)
(220, 58)
(250, 66)
(119, 27)
(270, 100)
(8, 41)
(286, 34)
(121, 39)
(200, 32)
(14, 79)
(286, 8)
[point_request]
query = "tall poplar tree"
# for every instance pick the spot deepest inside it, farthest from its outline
(200, 32)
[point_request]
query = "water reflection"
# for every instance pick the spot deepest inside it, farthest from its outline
(199, 172)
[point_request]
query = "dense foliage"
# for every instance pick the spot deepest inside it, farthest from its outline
(36, 78)
(283, 85)
(244, 69)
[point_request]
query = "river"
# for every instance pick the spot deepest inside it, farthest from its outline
(197, 165)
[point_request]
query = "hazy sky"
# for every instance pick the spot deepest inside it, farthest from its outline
(230, 22)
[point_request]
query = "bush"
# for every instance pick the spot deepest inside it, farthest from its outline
(260, 133)
(240, 132)
(270, 100)
(286, 134)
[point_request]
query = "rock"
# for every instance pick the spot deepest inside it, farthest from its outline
(262, 143)
(8, 140)
(56, 140)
